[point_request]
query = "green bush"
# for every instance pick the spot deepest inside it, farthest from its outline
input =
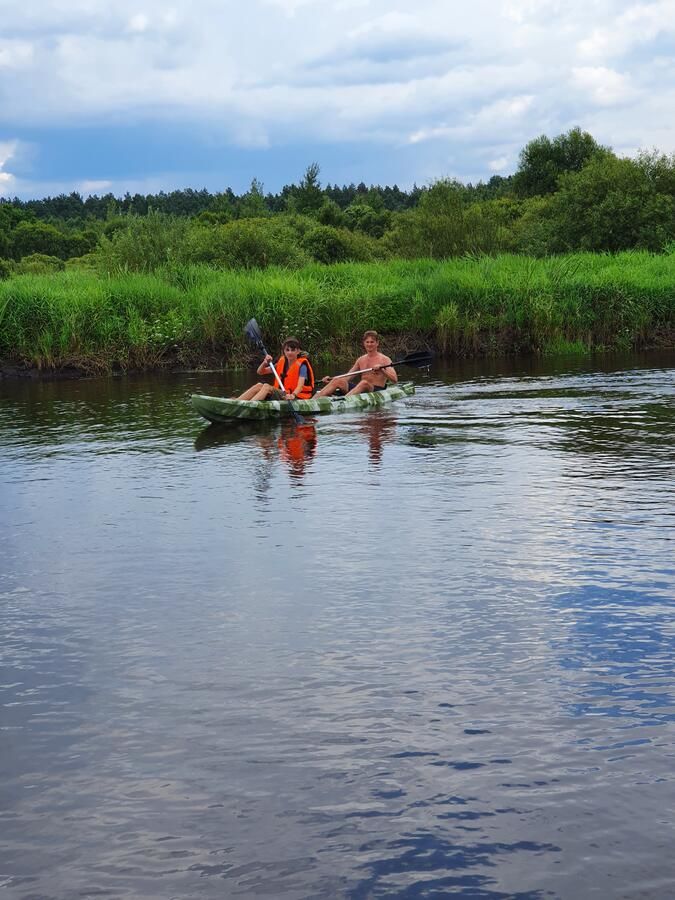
(332, 245)
(330, 214)
(38, 237)
(326, 244)
(362, 217)
(245, 244)
(613, 204)
(142, 244)
(39, 264)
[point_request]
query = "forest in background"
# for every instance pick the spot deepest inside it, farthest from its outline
(568, 194)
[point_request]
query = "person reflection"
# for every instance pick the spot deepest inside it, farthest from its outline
(297, 447)
(294, 444)
(378, 428)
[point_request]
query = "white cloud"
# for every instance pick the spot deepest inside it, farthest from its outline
(639, 24)
(494, 116)
(7, 151)
(16, 54)
(604, 86)
(498, 165)
(139, 23)
(291, 7)
(522, 11)
(94, 187)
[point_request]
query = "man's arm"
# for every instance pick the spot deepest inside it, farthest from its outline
(389, 371)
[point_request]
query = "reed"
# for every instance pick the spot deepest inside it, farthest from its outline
(189, 314)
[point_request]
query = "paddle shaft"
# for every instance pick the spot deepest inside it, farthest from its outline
(398, 362)
(270, 365)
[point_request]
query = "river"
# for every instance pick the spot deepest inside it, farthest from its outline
(417, 652)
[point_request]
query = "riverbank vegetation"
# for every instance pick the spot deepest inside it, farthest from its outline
(189, 315)
(576, 249)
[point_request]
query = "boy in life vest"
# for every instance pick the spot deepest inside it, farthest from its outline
(295, 372)
(379, 365)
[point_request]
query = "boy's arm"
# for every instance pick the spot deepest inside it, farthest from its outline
(264, 367)
(298, 388)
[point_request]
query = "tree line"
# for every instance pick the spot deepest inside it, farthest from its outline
(568, 194)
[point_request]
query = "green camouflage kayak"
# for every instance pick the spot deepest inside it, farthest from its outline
(225, 409)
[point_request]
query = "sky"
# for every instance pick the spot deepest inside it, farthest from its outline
(150, 95)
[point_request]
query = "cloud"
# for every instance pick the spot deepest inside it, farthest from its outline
(94, 187)
(139, 23)
(604, 86)
(16, 54)
(8, 151)
(498, 165)
(434, 87)
(639, 24)
(492, 116)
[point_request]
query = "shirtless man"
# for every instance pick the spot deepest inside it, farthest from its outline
(375, 380)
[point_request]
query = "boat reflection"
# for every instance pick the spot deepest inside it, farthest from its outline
(295, 445)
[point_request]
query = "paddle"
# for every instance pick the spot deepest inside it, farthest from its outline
(418, 359)
(253, 333)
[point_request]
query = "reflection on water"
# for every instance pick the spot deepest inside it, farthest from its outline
(418, 652)
(294, 445)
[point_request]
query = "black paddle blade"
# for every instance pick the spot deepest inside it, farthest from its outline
(420, 359)
(253, 332)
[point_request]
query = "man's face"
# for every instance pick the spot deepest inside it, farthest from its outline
(370, 344)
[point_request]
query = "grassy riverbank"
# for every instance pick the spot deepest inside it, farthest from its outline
(193, 315)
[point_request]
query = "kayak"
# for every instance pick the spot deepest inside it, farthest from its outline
(225, 409)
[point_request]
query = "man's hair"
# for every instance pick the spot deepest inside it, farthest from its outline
(371, 334)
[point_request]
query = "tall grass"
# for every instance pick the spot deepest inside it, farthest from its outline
(188, 314)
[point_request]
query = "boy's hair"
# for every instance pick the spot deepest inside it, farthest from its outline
(370, 334)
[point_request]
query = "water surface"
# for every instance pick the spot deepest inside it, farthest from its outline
(418, 652)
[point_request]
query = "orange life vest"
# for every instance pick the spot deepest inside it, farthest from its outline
(291, 374)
